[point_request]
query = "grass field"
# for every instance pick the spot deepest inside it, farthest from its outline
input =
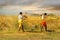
(30, 36)
(9, 28)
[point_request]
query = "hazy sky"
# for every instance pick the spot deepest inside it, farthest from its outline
(14, 6)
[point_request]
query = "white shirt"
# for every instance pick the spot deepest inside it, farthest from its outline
(42, 16)
(20, 17)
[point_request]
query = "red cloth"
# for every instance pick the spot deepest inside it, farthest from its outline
(43, 22)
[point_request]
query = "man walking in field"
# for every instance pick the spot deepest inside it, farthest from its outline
(43, 22)
(20, 20)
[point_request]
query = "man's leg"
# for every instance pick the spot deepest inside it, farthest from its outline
(23, 28)
(45, 27)
(19, 27)
(41, 28)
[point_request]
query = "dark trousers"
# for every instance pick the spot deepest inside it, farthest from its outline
(22, 27)
(45, 27)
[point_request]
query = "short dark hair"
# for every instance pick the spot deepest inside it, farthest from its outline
(20, 13)
(45, 13)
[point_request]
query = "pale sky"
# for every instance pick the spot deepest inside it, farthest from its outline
(37, 6)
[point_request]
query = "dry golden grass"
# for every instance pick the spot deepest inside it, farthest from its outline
(10, 23)
(9, 28)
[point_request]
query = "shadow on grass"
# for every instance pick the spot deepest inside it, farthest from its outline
(33, 31)
(40, 31)
(50, 30)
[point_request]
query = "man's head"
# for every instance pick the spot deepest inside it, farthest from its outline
(45, 13)
(20, 13)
